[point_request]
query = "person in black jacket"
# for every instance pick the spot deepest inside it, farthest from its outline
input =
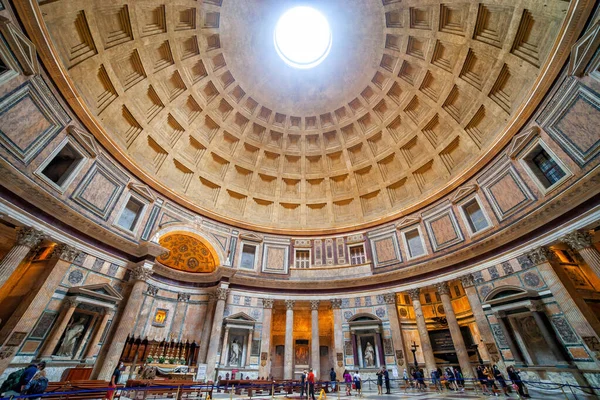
(386, 377)
(303, 384)
(333, 379)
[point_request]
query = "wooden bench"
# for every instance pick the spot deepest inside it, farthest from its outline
(98, 390)
(173, 389)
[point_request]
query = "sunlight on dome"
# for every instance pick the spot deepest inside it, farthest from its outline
(302, 37)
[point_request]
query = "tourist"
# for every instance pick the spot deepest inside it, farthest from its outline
(333, 379)
(514, 376)
(386, 378)
(348, 381)
(357, 383)
(114, 380)
(303, 384)
(420, 378)
(380, 381)
(482, 380)
(407, 382)
(490, 381)
(38, 383)
(460, 379)
(311, 384)
(451, 379)
(500, 378)
(435, 380)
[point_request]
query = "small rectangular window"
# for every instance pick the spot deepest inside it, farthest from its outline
(437, 297)
(248, 256)
(62, 165)
(414, 243)
(475, 216)
(456, 291)
(427, 298)
(130, 215)
(302, 259)
(544, 167)
(357, 255)
(406, 299)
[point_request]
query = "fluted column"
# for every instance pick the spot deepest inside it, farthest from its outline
(27, 238)
(455, 333)
(391, 301)
(225, 348)
(508, 336)
(468, 284)
(314, 343)
(264, 370)
(215, 333)
(206, 328)
(288, 363)
(41, 291)
(97, 335)
(139, 275)
(422, 328)
(64, 318)
(574, 307)
(338, 337)
(581, 242)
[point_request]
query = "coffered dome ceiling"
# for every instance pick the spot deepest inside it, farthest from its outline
(412, 100)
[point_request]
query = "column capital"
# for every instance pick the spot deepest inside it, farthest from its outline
(289, 304)
(65, 252)
(71, 302)
(314, 304)
(541, 255)
(577, 240)
(268, 303)
(500, 314)
(152, 290)
(336, 303)
(390, 298)
(467, 280)
(442, 288)
(221, 293)
(140, 272)
(183, 297)
(414, 294)
(30, 237)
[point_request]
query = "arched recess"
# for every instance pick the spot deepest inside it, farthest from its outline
(192, 230)
(508, 293)
(367, 345)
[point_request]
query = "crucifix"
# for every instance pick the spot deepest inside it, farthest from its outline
(414, 351)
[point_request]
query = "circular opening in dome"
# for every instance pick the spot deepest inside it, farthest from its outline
(302, 37)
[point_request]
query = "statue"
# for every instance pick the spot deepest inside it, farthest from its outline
(369, 355)
(69, 340)
(234, 356)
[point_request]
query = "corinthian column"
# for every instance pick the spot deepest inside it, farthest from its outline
(314, 343)
(27, 238)
(422, 328)
(26, 314)
(264, 370)
(397, 340)
(455, 333)
(338, 336)
(288, 363)
(581, 242)
(139, 275)
(215, 335)
(206, 328)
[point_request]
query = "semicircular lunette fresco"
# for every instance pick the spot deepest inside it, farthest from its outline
(187, 253)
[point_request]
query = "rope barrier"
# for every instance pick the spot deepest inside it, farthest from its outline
(290, 386)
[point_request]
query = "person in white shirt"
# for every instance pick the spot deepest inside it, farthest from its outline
(357, 383)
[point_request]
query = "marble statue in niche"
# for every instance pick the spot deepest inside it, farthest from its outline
(235, 353)
(369, 355)
(71, 336)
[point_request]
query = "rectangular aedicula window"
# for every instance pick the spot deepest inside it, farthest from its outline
(414, 243)
(545, 168)
(131, 214)
(61, 167)
(357, 255)
(302, 259)
(475, 216)
(248, 256)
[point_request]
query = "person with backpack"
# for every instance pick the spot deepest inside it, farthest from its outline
(333, 379)
(39, 382)
(16, 381)
(357, 383)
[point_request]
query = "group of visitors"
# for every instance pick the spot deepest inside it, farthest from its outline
(29, 380)
(353, 382)
(307, 381)
(383, 376)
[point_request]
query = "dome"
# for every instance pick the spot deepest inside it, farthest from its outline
(409, 102)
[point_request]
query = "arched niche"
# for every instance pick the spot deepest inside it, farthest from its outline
(188, 252)
(367, 345)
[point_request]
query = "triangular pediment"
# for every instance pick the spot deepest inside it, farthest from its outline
(463, 192)
(100, 291)
(84, 139)
(251, 237)
(142, 190)
(583, 51)
(521, 140)
(408, 221)
(240, 317)
(22, 47)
